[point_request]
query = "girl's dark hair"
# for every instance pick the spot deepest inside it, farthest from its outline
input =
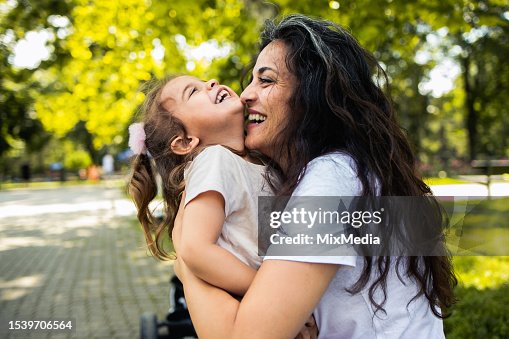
(338, 104)
(161, 128)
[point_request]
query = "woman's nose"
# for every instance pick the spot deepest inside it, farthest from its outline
(211, 83)
(247, 95)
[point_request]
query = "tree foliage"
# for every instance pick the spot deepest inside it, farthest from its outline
(104, 51)
(18, 120)
(117, 46)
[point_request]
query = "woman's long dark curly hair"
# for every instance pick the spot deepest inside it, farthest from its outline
(338, 104)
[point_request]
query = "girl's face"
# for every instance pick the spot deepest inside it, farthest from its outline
(209, 111)
(267, 97)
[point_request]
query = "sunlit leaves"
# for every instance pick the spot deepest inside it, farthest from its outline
(106, 50)
(117, 45)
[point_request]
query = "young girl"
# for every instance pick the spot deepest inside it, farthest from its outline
(193, 132)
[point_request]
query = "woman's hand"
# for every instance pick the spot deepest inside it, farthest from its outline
(175, 237)
(310, 329)
(177, 225)
(179, 268)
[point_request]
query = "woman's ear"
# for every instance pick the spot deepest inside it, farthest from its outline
(183, 146)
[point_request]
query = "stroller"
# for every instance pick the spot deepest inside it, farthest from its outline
(176, 325)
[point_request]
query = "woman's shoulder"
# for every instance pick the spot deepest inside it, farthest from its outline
(338, 162)
(331, 174)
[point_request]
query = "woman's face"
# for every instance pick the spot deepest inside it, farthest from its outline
(267, 98)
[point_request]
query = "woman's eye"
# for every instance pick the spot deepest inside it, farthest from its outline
(265, 80)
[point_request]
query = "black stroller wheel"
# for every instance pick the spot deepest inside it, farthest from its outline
(176, 325)
(148, 326)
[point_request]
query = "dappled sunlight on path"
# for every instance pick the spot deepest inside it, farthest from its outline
(77, 252)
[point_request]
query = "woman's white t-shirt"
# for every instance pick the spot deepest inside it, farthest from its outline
(240, 183)
(340, 314)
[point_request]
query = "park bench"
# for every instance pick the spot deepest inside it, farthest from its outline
(491, 167)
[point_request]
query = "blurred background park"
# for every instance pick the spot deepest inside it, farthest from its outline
(71, 73)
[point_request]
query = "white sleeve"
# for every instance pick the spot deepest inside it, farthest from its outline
(212, 170)
(329, 175)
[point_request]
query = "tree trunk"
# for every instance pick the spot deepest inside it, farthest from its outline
(472, 114)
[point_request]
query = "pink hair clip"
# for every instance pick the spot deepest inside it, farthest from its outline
(137, 138)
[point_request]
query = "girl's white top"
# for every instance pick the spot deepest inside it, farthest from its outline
(340, 314)
(240, 183)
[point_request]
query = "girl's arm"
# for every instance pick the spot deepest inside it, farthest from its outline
(281, 298)
(201, 224)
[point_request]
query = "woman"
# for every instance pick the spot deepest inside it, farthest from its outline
(315, 110)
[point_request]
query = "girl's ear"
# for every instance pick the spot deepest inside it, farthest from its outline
(183, 146)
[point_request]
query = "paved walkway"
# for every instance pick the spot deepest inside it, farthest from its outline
(76, 252)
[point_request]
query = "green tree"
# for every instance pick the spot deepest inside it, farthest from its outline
(18, 120)
(104, 51)
(117, 46)
(396, 30)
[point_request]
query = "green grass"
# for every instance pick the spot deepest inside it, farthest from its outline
(57, 184)
(482, 272)
(483, 230)
(444, 181)
(482, 310)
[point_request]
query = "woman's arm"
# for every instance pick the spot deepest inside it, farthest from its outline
(284, 293)
(201, 224)
(281, 298)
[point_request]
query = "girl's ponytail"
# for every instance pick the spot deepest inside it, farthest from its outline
(143, 189)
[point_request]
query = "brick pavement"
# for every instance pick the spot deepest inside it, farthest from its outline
(87, 263)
